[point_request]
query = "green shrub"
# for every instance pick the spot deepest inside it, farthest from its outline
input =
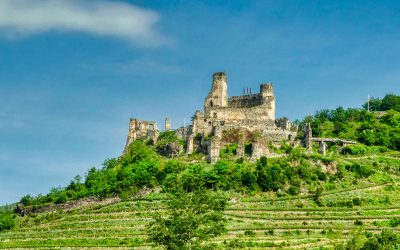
(345, 203)
(236, 244)
(358, 222)
(229, 150)
(250, 233)
(394, 222)
(356, 149)
(357, 201)
(294, 190)
(362, 171)
(368, 241)
(286, 148)
(269, 232)
(27, 200)
(7, 221)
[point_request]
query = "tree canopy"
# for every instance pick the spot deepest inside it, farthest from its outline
(191, 218)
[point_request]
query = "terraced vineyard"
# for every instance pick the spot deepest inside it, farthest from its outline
(256, 222)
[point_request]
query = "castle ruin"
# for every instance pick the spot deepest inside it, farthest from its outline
(247, 121)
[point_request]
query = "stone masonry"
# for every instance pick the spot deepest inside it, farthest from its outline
(143, 130)
(248, 121)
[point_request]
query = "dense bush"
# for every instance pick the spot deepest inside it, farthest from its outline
(357, 201)
(7, 220)
(367, 241)
(394, 222)
(358, 222)
(250, 233)
(369, 128)
(142, 167)
(168, 144)
(357, 149)
(390, 101)
(294, 190)
(360, 149)
(361, 170)
(132, 172)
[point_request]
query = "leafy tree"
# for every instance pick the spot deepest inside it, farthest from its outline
(100, 182)
(27, 200)
(361, 171)
(110, 163)
(369, 128)
(249, 179)
(192, 178)
(375, 104)
(386, 240)
(76, 189)
(190, 219)
(391, 101)
(138, 151)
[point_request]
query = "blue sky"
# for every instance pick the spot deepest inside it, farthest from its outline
(73, 72)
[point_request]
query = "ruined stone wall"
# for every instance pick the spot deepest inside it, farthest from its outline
(214, 149)
(199, 124)
(257, 116)
(184, 132)
(277, 135)
(259, 148)
(284, 123)
(139, 129)
(245, 101)
(252, 115)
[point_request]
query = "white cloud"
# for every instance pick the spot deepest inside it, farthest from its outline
(133, 67)
(99, 17)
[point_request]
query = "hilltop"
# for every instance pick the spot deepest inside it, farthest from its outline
(294, 199)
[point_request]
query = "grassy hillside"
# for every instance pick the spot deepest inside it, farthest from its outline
(257, 221)
(348, 199)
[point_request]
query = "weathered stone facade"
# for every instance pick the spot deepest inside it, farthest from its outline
(143, 130)
(248, 121)
(247, 115)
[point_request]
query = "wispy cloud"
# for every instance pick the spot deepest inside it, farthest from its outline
(101, 17)
(135, 66)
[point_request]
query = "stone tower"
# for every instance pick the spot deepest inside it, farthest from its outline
(218, 96)
(268, 97)
(167, 124)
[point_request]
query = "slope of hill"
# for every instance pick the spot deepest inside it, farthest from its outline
(258, 221)
(294, 200)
